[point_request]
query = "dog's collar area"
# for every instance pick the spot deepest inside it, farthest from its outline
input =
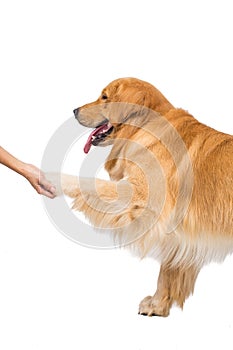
(98, 135)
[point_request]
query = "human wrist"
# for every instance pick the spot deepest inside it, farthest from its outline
(22, 168)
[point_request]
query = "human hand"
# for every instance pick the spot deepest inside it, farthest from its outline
(38, 181)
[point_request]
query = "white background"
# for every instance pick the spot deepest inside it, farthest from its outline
(55, 56)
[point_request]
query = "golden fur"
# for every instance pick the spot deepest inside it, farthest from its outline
(171, 190)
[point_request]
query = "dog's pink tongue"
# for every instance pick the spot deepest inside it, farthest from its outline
(87, 146)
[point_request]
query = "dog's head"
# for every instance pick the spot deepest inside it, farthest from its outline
(122, 99)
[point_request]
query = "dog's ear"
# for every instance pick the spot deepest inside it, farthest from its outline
(155, 100)
(144, 99)
(134, 95)
(139, 93)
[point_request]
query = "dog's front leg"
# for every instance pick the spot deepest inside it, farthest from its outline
(107, 204)
(117, 206)
(175, 284)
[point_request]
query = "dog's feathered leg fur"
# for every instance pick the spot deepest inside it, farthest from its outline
(174, 286)
(108, 204)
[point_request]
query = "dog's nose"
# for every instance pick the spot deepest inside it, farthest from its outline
(75, 111)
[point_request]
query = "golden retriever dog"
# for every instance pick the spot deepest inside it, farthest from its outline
(170, 193)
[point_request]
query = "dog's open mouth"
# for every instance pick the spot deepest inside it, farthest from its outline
(98, 135)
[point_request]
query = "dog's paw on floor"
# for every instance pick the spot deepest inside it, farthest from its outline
(153, 306)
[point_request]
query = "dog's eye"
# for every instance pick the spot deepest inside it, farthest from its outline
(104, 97)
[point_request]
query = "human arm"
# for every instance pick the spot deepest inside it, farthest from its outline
(34, 175)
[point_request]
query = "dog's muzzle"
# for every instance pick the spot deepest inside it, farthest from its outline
(76, 111)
